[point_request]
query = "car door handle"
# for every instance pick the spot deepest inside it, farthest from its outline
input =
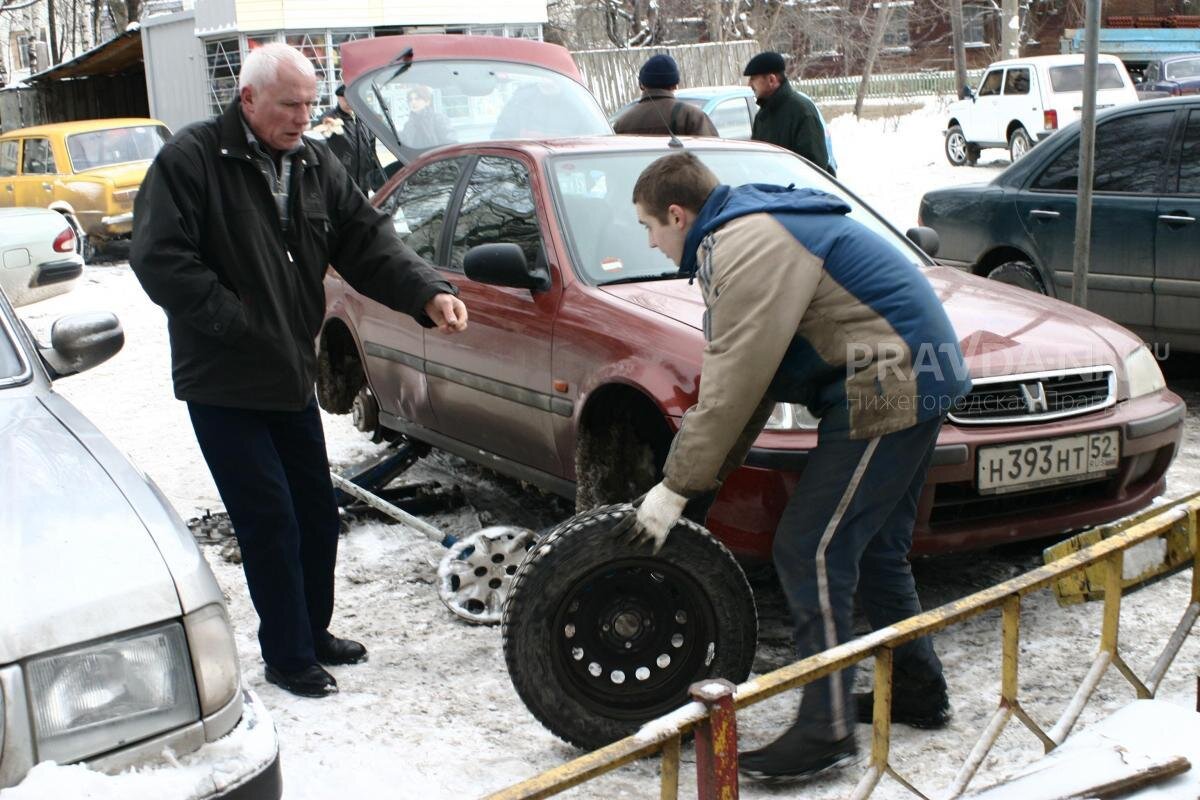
(1042, 213)
(1176, 219)
(46, 185)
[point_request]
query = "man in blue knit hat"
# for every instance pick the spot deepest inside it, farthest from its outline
(658, 113)
(805, 305)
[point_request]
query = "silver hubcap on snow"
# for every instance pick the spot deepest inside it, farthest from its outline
(1019, 147)
(477, 571)
(957, 145)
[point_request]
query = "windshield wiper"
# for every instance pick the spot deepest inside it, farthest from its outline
(639, 278)
(406, 59)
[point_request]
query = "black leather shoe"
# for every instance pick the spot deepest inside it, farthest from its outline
(928, 709)
(308, 682)
(794, 756)
(333, 651)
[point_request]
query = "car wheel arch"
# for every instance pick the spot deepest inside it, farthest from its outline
(340, 368)
(621, 442)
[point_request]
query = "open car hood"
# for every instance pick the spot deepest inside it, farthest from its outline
(477, 88)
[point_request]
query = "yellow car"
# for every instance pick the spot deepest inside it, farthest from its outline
(89, 171)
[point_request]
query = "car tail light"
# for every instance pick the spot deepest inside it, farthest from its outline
(1050, 120)
(65, 241)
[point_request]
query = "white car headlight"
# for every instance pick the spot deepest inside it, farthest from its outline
(214, 657)
(107, 695)
(1143, 373)
(791, 417)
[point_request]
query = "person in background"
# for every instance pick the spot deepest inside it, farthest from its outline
(658, 113)
(426, 126)
(785, 117)
(236, 223)
(350, 140)
(805, 305)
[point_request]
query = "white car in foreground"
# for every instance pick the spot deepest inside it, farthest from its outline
(116, 650)
(39, 255)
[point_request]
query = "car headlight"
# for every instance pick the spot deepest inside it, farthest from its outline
(106, 695)
(214, 657)
(791, 417)
(1143, 373)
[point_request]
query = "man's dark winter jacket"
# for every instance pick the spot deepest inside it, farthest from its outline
(658, 113)
(244, 298)
(789, 119)
(354, 147)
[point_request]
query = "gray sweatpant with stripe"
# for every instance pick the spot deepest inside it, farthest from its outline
(848, 526)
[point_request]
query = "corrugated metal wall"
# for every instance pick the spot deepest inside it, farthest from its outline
(176, 73)
(612, 74)
(76, 98)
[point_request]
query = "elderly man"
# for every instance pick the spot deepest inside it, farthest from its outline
(785, 117)
(658, 113)
(234, 227)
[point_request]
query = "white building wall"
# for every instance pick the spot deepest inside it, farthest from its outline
(176, 74)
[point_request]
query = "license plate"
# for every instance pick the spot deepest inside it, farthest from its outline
(1026, 465)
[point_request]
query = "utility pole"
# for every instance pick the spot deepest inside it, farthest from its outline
(1087, 155)
(957, 45)
(881, 19)
(1010, 29)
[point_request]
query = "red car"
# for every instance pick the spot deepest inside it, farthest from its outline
(584, 350)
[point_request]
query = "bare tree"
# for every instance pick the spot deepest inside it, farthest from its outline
(881, 19)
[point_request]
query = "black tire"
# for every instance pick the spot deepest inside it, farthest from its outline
(1019, 144)
(958, 149)
(1019, 273)
(688, 614)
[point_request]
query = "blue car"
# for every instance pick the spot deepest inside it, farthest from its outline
(731, 109)
(1170, 76)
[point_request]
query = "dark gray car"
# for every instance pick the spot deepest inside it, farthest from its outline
(1144, 271)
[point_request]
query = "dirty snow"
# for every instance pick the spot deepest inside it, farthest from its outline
(433, 714)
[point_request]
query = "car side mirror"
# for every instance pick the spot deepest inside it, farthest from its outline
(504, 264)
(925, 238)
(965, 92)
(81, 341)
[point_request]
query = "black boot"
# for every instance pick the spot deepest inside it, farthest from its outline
(796, 756)
(308, 682)
(332, 651)
(920, 704)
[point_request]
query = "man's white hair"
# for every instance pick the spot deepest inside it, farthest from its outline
(262, 66)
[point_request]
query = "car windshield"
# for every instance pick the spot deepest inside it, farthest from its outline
(1189, 68)
(442, 102)
(609, 244)
(115, 146)
(11, 365)
(1070, 78)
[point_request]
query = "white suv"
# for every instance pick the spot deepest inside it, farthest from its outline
(1024, 100)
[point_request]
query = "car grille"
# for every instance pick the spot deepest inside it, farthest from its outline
(1036, 396)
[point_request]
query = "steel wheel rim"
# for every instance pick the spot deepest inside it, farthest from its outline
(1019, 147)
(632, 635)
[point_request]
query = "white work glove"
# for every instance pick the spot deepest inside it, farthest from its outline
(657, 512)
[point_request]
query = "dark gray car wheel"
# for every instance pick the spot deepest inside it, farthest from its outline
(601, 637)
(1019, 144)
(1019, 273)
(958, 150)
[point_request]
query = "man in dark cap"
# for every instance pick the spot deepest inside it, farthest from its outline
(350, 140)
(658, 113)
(785, 117)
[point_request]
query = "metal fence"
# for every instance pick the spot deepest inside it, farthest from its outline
(611, 75)
(899, 84)
(712, 719)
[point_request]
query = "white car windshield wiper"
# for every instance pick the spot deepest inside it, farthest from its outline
(639, 278)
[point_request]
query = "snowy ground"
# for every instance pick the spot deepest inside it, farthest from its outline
(433, 715)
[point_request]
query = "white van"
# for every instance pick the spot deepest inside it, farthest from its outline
(1023, 100)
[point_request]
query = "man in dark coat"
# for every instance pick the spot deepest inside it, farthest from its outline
(350, 140)
(235, 225)
(658, 113)
(785, 117)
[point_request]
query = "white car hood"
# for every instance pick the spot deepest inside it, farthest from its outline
(76, 561)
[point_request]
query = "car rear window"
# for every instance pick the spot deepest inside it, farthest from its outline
(1070, 78)
(1177, 70)
(115, 146)
(594, 195)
